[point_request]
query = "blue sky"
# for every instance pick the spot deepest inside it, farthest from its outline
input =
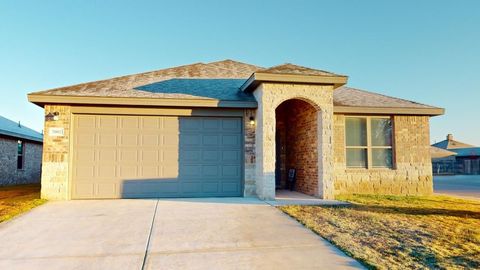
(427, 51)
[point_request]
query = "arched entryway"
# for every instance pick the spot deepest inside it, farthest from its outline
(296, 145)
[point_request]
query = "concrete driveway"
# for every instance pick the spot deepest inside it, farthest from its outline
(230, 233)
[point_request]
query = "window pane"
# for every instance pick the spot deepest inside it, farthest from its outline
(20, 162)
(20, 147)
(357, 158)
(382, 158)
(356, 131)
(381, 132)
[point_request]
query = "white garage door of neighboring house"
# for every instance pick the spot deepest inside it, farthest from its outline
(156, 156)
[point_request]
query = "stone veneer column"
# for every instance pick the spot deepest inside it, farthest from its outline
(265, 146)
(326, 188)
(269, 96)
(56, 150)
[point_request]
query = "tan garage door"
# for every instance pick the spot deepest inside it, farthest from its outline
(156, 156)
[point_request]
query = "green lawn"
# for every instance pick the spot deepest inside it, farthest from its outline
(396, 232)
(15, 200)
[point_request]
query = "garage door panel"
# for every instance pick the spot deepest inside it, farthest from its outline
(156, 156)
(107, 122)
(230, 186)
(106, 139)
(231, 125)
(129, 123)
(106, 170)
(149, 156)
(211, 124)
(107, 155)
(190, 124)
(231, 140)
(230, 170)
(210, 140)
(211, 156)
(210, 187)
(87, 122)
(233, 156)
(85, 140)
(128, 140)
(210, 171)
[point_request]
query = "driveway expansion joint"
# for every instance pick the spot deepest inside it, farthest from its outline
(149, 235)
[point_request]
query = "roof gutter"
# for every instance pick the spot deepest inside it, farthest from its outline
(20, 136)
(41, 100)
(388, 110)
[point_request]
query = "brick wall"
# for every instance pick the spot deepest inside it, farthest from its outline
(297, 121)
(9, 174)
(56, 152)
(412, 173)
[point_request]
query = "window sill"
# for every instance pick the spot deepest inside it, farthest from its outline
(370, 169)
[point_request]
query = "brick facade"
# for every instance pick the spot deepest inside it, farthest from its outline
(412, 172)
(56, 154)
(9, 174)
(297, 139)
(315, 146)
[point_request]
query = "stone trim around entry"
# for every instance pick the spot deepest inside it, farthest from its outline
(269, 96)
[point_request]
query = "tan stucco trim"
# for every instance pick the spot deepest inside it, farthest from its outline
(388, 110)
(259, 77)
(41, 100)
(157, 112)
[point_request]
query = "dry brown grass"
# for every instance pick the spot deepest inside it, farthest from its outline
(15, 200)
(396, 232)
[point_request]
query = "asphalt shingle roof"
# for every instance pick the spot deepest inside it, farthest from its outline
(13, 129)
(222, 89)
(217, 80)
(347, 96)
(452, 144)
(297, 70)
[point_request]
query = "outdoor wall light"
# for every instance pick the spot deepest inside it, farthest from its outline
(52, 116)
(252, 120)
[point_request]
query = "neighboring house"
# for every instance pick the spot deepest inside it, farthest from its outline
(464, 160)
(20, 154)
(443, 161)
(231, 129)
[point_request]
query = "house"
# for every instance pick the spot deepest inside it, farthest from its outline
(464, 160)
(228, 128)
(443, 161)
(20, 153)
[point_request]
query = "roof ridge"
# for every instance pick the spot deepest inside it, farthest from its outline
(327, 73)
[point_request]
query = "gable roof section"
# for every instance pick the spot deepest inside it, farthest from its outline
(219, 84)
(292, 69)
(289, 73)
(13, 129)
(136, 89)
(352, 100)
(436, 152)
(451, 144)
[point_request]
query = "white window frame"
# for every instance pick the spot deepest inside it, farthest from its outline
(369, 146)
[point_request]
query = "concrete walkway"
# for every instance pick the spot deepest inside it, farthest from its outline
(230, 233)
